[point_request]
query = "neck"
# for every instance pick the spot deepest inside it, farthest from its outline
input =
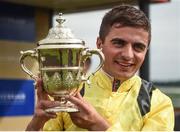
(111, 77)
(107, 74)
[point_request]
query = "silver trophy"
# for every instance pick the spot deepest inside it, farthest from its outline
(60, 58)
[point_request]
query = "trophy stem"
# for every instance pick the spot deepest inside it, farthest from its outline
(65, 106)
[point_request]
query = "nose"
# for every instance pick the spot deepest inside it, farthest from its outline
(127, 52)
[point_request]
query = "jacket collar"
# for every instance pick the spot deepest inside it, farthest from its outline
(106, 81)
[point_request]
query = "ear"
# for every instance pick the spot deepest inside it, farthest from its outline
(99, 43)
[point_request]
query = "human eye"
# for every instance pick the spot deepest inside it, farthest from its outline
(139, 47)
(118, 42)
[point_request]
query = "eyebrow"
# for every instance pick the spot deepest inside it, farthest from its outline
(118, 39)
(124, 41)
(141, 44)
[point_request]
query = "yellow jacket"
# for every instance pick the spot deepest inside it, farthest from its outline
(136, 106)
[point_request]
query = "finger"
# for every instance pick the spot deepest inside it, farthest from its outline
(44, 104)
(43, 113)
(81, 104)
(78, 95)
(51, 114)
(39, 85)
(41, 94)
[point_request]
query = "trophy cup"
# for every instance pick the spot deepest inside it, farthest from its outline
(60, 58)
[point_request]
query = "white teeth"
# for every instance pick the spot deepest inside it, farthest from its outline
(124, 64)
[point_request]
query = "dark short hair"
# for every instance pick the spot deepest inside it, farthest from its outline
(127, 16)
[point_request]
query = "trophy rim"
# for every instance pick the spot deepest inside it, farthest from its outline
(64, 46)
(47, 41)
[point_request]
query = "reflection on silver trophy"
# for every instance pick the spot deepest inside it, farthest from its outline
(60, 57)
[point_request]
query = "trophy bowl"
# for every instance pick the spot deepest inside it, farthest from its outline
(61, 58)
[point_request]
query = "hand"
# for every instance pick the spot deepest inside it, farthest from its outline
(44, 102)
(40, 115)
(87, 117)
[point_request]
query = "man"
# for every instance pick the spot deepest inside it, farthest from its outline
(117, 99)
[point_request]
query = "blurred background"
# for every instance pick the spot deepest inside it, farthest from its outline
(24, 23)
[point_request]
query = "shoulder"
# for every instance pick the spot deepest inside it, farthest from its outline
(161, 111)
(151, 98)
(152, 92)
(144, 96)
(159, 99)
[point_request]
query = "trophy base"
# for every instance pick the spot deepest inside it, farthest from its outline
(67, 107)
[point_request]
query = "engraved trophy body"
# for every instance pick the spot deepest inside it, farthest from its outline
(60, 57)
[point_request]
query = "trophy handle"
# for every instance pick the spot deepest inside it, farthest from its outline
(24, 54)
(89, 52)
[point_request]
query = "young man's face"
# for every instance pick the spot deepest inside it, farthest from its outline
(124, 49)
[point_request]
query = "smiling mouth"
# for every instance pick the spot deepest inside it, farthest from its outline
(124, 65)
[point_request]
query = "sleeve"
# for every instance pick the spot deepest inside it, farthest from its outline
(54, 124)
(161, 115)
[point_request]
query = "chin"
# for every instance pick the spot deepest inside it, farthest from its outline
(124, 76)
